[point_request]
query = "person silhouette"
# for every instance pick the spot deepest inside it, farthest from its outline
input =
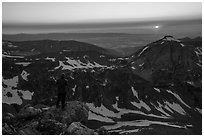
(61, 85)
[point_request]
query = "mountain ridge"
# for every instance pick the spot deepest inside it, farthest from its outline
(165, 54)
(120, 99)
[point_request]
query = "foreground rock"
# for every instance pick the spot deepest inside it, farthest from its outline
(44, 120)
(76, 128)
(28, 112)
(75, 111)
(7, 130)
(51, 127)
(8, 118)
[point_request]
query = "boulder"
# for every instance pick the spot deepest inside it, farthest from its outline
(74, 111)
(50, 101)
(28, 112)
(6, 129)
(51, 127)
(102, 131)
(8, 118)
(76, 128)
(26, 126)
(41, 107)
(44, 120)
(8, 109)
(28, 131)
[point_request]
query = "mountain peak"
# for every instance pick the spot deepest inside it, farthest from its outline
(163, 57)
(170, 38)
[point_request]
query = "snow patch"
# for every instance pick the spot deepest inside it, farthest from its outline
(198, 51)
(167, 108)
(133, 68)
(141, 64)
(143, 50)
(23, 63)
(129, 131)
(11, 45)
(120, 58)
(199, 110)
(112, 60)
(170, 38)
(141, 104)
(27, 95)
(176, 107)
(13, 82)
(24, 75)
(87, 86)
(85, 56)
(182, 45)
(74, 89)
(16, 95)
(140, 123)
(160, 109)
(93, 116)
(65, 50)
(48, 58)
(126, 111)
(101, 110)
(178, 97)
(102, 56)
(158, 90)
(8, 56)
(134, 92)
(200, 65)
(73, 64)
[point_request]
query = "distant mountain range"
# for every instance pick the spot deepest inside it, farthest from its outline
(65, 36)
(121, 44)
(113, 41)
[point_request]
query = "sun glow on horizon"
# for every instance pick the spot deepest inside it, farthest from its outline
(156, 27)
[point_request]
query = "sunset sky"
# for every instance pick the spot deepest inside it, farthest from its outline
(116, 17)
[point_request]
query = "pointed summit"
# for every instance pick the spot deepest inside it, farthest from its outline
(167, 59)
(170, 38)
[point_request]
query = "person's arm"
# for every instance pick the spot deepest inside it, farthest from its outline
(66, 83)
(57, 82)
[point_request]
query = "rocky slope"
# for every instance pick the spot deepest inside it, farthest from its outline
(29, 66)
(44, 120)
(140, 94)
(168, 60)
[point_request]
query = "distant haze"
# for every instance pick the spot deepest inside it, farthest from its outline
(178, 19)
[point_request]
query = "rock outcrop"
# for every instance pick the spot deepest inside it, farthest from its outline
(76, 128)
(75, 111)
(28, 112)
(44, 120)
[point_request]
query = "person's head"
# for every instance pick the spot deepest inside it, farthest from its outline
(62, 76)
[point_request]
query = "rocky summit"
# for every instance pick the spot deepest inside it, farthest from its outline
(44, 120)
(168, 59)
(156, 90)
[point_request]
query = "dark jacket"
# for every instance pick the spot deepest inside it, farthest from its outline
(61, 84)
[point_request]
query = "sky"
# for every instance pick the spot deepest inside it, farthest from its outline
(176, 18)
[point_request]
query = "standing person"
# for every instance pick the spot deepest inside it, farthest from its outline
(79, 88)
(70, 86)
(61, 85)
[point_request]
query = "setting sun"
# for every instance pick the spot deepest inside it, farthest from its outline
(156, 27)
